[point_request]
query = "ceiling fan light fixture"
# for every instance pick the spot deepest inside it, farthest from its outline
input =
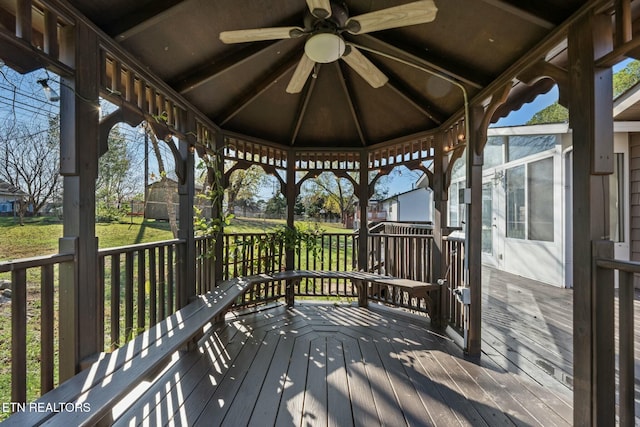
(324, 47)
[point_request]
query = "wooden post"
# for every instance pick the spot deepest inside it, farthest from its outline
(439, 268)
(363, 200)
(81, 336)
(187, 260)
(590, 107)
(473, 234)
(291, 203)
(217, 209)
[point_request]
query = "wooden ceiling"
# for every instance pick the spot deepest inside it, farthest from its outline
(241, 87)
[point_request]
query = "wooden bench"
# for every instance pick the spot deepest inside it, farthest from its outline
(368, 285)
(88, 398)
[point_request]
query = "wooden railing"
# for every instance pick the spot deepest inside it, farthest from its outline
(139, 288)
(23, 310)
(453, 254)
(626, 362)
(334, 253)
(138, 283)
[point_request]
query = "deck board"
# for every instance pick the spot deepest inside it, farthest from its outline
(383, 395)
(329, 364)
(292, 400)
(338, 397)
(266, 406)
(364, 414)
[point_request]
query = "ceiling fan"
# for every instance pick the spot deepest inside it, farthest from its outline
(324, 26)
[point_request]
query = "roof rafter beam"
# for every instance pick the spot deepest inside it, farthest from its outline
(411, 97)
(258, 89)
(207, 71)
(455, 72)
(521, 13)
(302, 110)
(354, 113)
(145, 18)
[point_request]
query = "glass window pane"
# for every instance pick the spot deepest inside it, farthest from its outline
(540, 180)
(515, 203)
(487, 218)
(453, 205)
(494, 151)
(526, 145)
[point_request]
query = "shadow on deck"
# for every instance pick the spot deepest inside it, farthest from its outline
(528, 325)
(326, 364)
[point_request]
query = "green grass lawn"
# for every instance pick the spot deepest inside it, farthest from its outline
(39, 236)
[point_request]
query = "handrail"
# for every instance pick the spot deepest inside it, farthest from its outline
(621, 265)
(39, 261)
(139, 247)
(426, 225)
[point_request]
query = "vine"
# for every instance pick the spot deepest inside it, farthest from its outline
(211, 226)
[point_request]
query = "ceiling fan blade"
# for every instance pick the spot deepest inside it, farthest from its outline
(259, 34)
(417, 12)
(300, 75)
(320, 8)
(365, 68)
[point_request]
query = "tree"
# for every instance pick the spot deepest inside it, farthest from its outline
(554, 113)
(30, 161)
(114, 185)
(330, 193)
(626, 78)
(243, 186)
(276, 205)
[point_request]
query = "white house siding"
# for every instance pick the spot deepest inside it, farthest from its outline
(413, 205)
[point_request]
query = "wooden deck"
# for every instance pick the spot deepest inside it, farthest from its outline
(326, 364)
(527, 330)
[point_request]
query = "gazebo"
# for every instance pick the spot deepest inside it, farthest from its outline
(353, 87)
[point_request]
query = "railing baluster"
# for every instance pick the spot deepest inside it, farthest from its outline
(100, 303)
(626, 343)
(46, 328)
(171, 281)
(153, 307)
(115, 301)
(199, 266)
(162, 284)
(128, 296)
(141, 291)
(19, 336)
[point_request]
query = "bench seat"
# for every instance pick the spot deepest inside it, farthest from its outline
(113, 375)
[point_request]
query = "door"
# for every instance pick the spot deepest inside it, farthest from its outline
(488, 224)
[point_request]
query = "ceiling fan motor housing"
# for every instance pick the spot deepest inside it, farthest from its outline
(339, 16)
